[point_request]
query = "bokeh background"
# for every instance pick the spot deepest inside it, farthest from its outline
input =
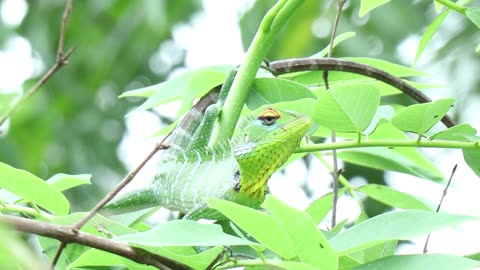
(76, 123)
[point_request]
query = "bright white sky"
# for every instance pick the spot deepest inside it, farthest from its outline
(212, 37)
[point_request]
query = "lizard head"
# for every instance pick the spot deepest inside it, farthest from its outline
(266, 140)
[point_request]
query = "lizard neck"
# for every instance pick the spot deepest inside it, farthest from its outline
(258, 162)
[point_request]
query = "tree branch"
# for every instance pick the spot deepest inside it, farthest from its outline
(67, 235)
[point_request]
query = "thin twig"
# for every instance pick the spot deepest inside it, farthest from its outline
(440, 203)
(62, 59)
(66, 235)
(335, 172)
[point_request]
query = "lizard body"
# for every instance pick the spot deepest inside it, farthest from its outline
(237, 171)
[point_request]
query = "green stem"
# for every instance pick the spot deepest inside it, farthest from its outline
(453, 6)
(263, 40)
(11, 208)
(388, 143)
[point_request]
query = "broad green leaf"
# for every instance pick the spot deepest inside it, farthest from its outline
(302, 106)
(382, 158)
(455, 133)
(368, 5)
(274, 90)
(185, 255)
(419, 118)
(472, 157)
(346, 262)
(261, 226)
(474, 15)
(401, 159)
(338, 39)
(198, 85)
(393, 226)
(309, 244)
(383, 112)
(319, 208)
(478, 48)
(421, 261)
(429, 32)
(394, 69)
(31, 188)
(170, 90)
(63, 181)
(184, 233)
(347, 109)
(393, 197)
(294, 266)
(381, 250)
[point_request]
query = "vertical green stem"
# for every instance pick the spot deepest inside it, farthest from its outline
(263, 40)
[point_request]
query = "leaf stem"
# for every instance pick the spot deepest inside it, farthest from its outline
(263, 40)
(387, 143)
(36, 213)
(453, 6)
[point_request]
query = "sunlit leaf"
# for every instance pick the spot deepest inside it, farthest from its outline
(274, 90)
(63, 181)
(347, 109)
(474, 15)
(393, 197)
(429, 32)
(419, 118)
(31, 188)
(421, 261)
(368, 5)
(455, 133)
(338, 39)
(394, 226)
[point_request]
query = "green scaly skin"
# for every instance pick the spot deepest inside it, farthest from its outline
(237, 171)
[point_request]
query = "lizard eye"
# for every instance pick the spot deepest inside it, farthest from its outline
(269, 117)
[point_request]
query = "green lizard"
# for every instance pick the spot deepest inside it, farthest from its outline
(237, 171)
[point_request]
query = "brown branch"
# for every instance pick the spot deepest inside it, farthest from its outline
(66, 235)
(62, 59)
(440, 203)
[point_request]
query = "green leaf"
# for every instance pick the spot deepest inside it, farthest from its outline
(347, 109)
(63, 181)
(319, 208)
(394, 226)
(274, 90)
(421, 261)
(273, 237)
(393, 197)
(429, 32)
(338, 39)
(375, 252)
(198, 85)
(170, 90)
(394, 69)
(303, 106)
(400, 159)
(31, 188)
(347, 263)
(184, 233)
(472, 157)
(474, 15)
(419, 118)
(456, 133)
(185, 255)
(309, 244)
(368, 5)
